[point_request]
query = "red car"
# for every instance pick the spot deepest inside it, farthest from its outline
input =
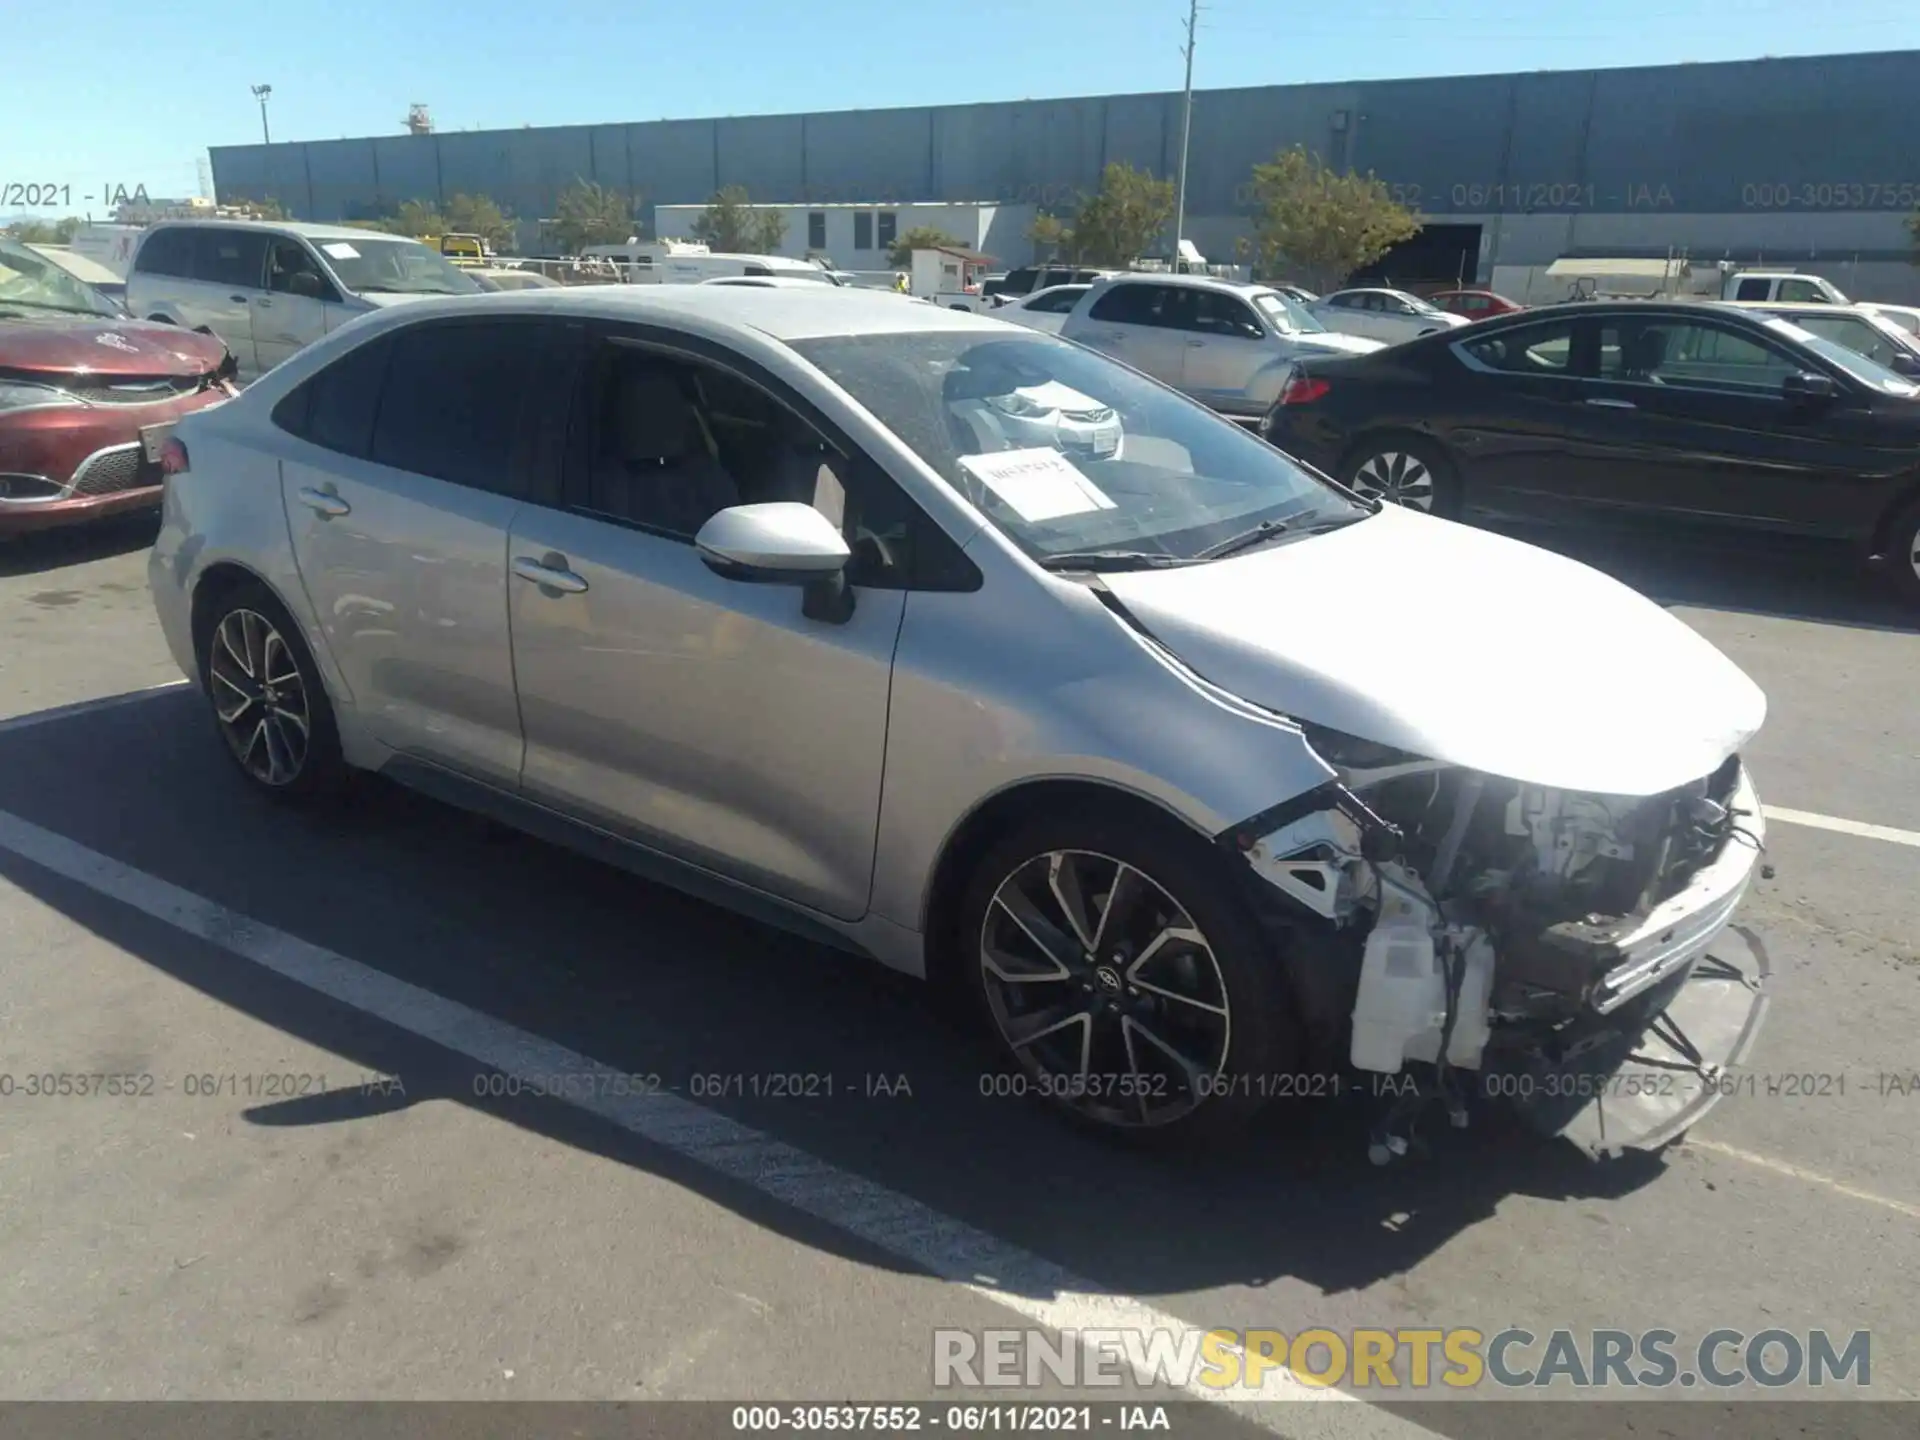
(79, 381)
(1474, 304)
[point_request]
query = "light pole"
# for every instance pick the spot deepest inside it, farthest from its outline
(1186, 129)
(260, 93)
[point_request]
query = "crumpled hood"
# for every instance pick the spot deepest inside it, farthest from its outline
(63, 345)
(1458, 645)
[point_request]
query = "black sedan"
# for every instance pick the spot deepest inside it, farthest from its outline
(1675, 412)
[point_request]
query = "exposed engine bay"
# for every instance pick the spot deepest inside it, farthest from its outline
(1473, 922)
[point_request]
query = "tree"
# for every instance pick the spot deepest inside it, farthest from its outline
(1052, 235)
(588, 213)
(1117, 225)
(417, 218)
(921, 237)
(479, 215)
(45, 232)
(731, 224)
(267, 209)
(1313, 219)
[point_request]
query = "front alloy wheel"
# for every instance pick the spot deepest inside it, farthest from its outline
(1105, 989)
(260, 698)
(1397, 477)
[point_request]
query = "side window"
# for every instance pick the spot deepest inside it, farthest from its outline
(236, 258)
(1527, 350)
(452, 402)
(1218, 314)
(335, 408)
(1693, 354)
(664, 442)
(863, 230)
(1800, 290)
(1021, 281)
(888, 230)
(1134, 305)
(291, 271)
(1751, 290)
(1058, 303)
(816, 229)
(1851, 331)
(166, 252)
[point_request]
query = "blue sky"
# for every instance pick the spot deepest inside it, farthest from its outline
(127, 92)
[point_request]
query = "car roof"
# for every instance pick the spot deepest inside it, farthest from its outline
(783, 313)
(1794, 307)
(1189, 282)
(283, 227)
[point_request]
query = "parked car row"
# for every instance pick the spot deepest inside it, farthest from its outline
(968, 649)
(1678, 412)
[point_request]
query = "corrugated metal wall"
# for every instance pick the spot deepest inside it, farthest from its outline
(1762, 137)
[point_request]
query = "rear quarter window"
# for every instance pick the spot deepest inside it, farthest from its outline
(335, 409)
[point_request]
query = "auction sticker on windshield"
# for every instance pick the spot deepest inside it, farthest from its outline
(341, 251)
(1040, 484)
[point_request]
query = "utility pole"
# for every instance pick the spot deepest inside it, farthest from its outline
(260, 93)
(1186, 130)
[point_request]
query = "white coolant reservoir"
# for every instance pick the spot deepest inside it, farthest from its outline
(1403, 991)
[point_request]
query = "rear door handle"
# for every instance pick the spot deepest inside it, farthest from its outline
(324, 502)
(550, 574)
(1195, 344)
(1613, 404)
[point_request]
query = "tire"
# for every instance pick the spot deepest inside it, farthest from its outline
(1234, 1028)
(242, 649)
(1902, 554)
(1406, 471)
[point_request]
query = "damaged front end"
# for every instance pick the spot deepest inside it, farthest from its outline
(1468, 934)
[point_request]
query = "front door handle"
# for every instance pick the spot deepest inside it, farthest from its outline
(1613, 404)
(238, 299)
(550, 573)
(324, 502)
(1195, 344)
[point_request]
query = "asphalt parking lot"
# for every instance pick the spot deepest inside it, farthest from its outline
(376, 1223)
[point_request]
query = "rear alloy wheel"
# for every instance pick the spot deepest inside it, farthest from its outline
(1124, 980)
(267, 700)
(1403, 473)
(1902, 556)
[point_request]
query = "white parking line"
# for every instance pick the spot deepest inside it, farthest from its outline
(935, 1243)
(1844, 827)
(1800, 1172)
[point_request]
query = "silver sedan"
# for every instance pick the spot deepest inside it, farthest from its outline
(1200, 780)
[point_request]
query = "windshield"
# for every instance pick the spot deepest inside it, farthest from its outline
(1067, 452)
(1286, 313)
(373, 265)
(32, 282)
(1879, 377)
(1420, 306)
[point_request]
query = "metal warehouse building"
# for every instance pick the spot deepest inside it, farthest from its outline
(1796, 161)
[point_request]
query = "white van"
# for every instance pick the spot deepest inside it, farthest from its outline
(268, 288)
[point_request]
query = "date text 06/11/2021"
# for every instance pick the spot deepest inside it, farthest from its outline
(45, 194)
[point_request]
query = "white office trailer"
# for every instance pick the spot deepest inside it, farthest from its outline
(858, 237)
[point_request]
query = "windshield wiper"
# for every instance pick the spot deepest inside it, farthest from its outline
(1245, 540)
(1114, 560)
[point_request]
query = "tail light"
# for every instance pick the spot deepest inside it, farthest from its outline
(1303, 390)
(173, 456)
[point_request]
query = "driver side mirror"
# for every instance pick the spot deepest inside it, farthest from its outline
(307, 285)
(1809, 387)
(1906, 362)
(782, 543)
